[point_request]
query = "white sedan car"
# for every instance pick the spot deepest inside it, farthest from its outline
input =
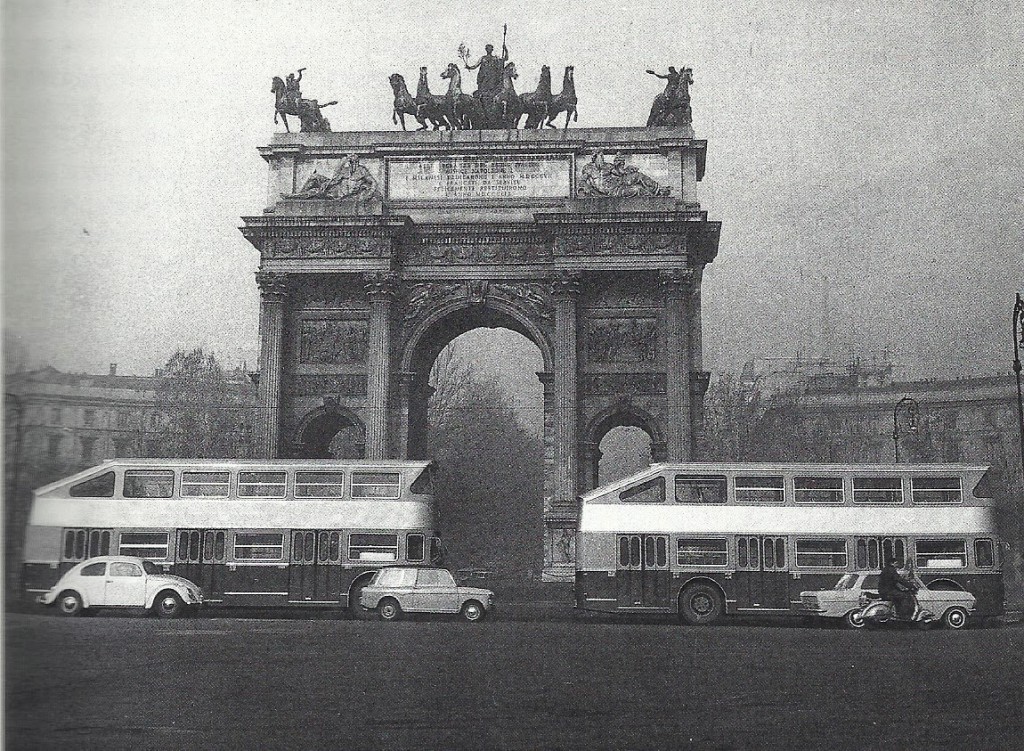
(118, 581)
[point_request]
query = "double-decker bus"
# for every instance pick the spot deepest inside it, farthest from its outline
(703, 540)
(263, 533)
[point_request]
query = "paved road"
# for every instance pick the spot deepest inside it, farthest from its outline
(118, 682)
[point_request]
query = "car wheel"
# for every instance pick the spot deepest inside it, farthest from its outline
(954, 618)
(854, 619)
(473, 611)
(69, 604)
(700, 604)
(168, 605)
(389, 610)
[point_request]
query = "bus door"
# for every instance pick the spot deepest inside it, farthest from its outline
(315, 572)
(642, 574)
(762, 573)
(200, 559)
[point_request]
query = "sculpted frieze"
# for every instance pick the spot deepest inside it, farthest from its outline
(426, 251)
(533, 296)
(625, 243)
(421, 298)
(326, 247)
(342, 384)
(333, 342)
(622, 340)
(603, 384)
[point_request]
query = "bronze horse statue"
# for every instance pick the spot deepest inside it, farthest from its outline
(535, 103)
(564, 101)
(404, 103)
(672, 106)
(463, 111)
(431, 106)
(505, 109)
(307, 110)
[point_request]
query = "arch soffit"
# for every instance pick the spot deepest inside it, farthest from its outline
(623, 415)
(339, 413)
(530, 329)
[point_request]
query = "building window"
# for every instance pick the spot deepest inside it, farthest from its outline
(122, 448)
(123, 419)
(88, 448)
(89, 417)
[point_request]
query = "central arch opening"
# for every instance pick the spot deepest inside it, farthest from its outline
(477, 408)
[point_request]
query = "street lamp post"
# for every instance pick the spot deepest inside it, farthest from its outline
(908, 409)
(1018, 345)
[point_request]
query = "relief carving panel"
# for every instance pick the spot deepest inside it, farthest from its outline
(332, 342)
(626, 243)
(427, 251)
(326, 247)
(621, 340)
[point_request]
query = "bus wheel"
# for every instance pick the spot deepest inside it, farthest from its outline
(168, 605)
(389, 609)
(700, 604)
(355, 610)
(69, 604)
(854, 619)
(954, 618)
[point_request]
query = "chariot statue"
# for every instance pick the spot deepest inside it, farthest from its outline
(288, 101)
(672, 106)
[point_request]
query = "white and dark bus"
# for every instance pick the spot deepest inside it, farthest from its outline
(261, 533)
(704, 540)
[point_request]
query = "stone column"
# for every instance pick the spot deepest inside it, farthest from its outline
(699, 378)
(380, 287)
(565, 290)
(273, 293)
(591, 458)
(675, 287)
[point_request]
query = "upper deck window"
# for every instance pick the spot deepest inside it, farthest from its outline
(319, 484)
(700, 489)
(652, 491)
(376, 485)
(878, 490)
(148, 483)
(208, 484)
(818, 489)
(101, 486)
(936, 490)
(759, 490)
(261, 484)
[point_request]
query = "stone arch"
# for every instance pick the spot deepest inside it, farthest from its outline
(319, 427)
(431, 335)
(619, 415)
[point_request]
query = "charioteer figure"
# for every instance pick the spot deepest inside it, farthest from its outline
(490, 68)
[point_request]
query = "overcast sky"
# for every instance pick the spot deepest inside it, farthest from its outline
(876, 149)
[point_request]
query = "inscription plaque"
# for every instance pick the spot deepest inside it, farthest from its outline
(473, 178)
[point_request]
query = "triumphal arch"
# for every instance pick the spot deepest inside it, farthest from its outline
(379, 248)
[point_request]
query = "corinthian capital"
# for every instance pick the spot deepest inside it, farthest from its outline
(274, 286)
(675, 282)
(381, 286)
(566, 285)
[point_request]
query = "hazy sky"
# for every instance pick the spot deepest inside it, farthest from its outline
(877, 145)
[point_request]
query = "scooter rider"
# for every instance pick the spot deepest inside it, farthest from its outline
(898, 589)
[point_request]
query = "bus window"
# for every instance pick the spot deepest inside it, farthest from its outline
(148, 483)
(151, 545)
(984, 554)
(866, 554)
(319, 484)
(986, 486)
(894, 548)
(774, 550)
(692, 551)
(821, 553)
(941, 554)
(101, 486)
(376, 485)
(372, 547)
(652, 491)
(206, 484)
(261, 484)
(414, 547)
(935, 490)
(878, 490)
(818, 489)
(700, 489)
(259, 546)
(765, 490)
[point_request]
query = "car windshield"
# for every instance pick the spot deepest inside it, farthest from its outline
(150, 568)
(846, 581)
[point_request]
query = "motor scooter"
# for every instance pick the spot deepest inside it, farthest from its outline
(875, 611)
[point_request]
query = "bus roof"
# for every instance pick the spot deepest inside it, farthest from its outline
(237, 464)
(780, 468)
